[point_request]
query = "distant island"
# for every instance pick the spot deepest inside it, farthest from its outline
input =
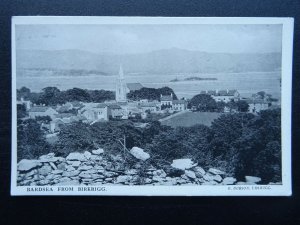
(193, 78)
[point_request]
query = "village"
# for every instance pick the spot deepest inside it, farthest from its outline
(123, 108)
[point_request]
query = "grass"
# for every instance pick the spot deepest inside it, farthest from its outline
(192, 118)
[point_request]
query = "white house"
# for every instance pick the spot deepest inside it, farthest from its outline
(223, 95)
(179, 105)
(41, 111)
(256, 105)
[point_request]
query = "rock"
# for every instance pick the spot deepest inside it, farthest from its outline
(212, 182)
(68, 183)
(57, 171)
(109, 174)
(45, 170)
(44, 182)
(98, 151)
(76, 156)
(53, 165)
(87, 155)
(207, 177)
(84, 167)
(123, 179)
(26, 164)
(96, 158)
(216, 171)
(183, 164)
(228, 180)
(131, 172)
(159, 173)
(158, 179)
(173, 172)
(70, 168)
(62, 166)
(139, 153)
(199, 171)
(252, 179)
(70, 173)
(76, 163)
(241, 183)
(217, 178)
(85, 175)
(190, 174)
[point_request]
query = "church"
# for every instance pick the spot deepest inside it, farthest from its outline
(121, 89)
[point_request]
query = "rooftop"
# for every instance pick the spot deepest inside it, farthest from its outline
(178, 101)
(166, 98)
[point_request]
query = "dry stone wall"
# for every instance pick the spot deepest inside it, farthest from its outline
(93, 168)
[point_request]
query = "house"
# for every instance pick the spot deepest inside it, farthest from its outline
(96, 112)
(166, 101)
(133, 87)
(116, 111)
(256, 105)
(179, 105)
(41, 111)
(148, 107)
(223, 95)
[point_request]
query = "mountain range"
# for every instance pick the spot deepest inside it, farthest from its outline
(166, 61)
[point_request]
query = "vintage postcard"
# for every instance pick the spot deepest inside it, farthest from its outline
(151, 106)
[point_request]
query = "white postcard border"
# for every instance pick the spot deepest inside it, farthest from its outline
(197, 190)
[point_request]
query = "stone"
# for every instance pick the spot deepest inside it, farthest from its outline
(57, 171)
(87, 155)
(53, 165)
(131, 172)
(109, 174)
(207, 177)
(98, 151)
(212, 182)
(199, 171)
(241, 183)
(123, 179)
(158, 179)
(252, 179)
(76, 163)
(183, 164)
(72, 173)
(216, 171)
(84, 167)
(159, 173)
(139, 153)
(45, 170)
(190, 174)
(96, 158)
(76, 156)
(62, 166)
(68, 183)
(217, 178)
(44, 182)
(26, 164)
(85, 175)
(228, 180)
(70, 168)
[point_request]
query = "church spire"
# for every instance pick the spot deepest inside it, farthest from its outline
(121, 74)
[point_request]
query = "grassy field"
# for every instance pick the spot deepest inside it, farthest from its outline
(191, 118)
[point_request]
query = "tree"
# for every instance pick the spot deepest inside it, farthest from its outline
(21, 111)
(50, 96)
(23, 92)
(242, 106)
(30, 140)
(203, 103)
(150, 93)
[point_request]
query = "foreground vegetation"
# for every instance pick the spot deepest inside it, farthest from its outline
(239, 143)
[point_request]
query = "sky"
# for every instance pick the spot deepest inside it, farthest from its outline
(131, 39)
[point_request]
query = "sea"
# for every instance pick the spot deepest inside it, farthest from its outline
(246, 83)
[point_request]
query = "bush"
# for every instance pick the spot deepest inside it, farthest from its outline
(30, 140)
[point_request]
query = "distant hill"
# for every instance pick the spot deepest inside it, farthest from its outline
(168, 61)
